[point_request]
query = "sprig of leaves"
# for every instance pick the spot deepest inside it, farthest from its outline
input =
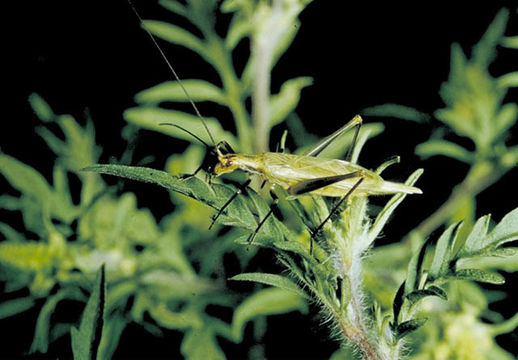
(428, 270)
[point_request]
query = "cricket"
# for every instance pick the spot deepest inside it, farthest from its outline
(296, 174)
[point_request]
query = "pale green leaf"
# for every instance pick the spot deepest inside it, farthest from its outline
(40, 342)
(174, 6)
(201, 344)
(175, 34)
(475, 239)
(442, 253)
(510, 41)
(479, 275)
(505, 231)
(484, 51)
(409, 326)
(508, 80)
(446, 148)
(396, 111)
(283, 103)
(270, 301)
(389, 208)
(41, 108)
(12, 307)
(86, 339)
(198, 90)
(151, 117)
(273, 280)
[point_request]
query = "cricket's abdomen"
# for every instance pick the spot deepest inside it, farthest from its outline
(288, 170)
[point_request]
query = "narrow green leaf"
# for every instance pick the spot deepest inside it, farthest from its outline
(16, 306)
(40, 342)
(86, 339)
(273, 280)
(508, 80)
(397, 303)
(442, 251)
(505, 231)
(396, 111)
(484, 51)
(479, 275)
(389, 208)
(475, 239)
(268, 301)
(25, 179)
(41, 108)
(239, 212)
(409, 326)
(198, 90)
(510, 42)
(201, 344)
(175, 34)
(150, 118)
(417, 295)
(283, 103)
(415, 267)
(442, 147)
(174, 6)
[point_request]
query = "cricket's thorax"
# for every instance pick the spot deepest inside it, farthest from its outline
(230, 162)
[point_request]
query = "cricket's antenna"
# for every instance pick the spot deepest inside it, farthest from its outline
(177, 78)
(188, 132)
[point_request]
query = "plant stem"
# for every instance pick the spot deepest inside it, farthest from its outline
(481, 175)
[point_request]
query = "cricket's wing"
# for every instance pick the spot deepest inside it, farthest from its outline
(288, 170)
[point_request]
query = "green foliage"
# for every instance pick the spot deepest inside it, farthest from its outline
(86, 339)
(166, 274)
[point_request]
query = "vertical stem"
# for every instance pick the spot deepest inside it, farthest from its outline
(261, 93)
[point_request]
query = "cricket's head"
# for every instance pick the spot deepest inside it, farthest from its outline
(224, 159)
(217, 159)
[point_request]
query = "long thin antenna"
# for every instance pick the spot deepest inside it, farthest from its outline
(173, 72)
(188, 132)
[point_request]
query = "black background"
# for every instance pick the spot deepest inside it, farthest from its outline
(92, 56)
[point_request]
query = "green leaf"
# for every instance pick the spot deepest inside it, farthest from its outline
(12, 307)
(86, 339)
(175, 35)
(273, 280)
(174, 6)
(40, 342)
(25, 179)
(508, 80)
(283, 103)
(409, 326)
(475, 239)
(443, 251)
(479, 275)
(510, 42)
(241, 212)
(417, 295)
(268, 301)
(41, 108)
(151, 118)
(505, 231)
(484, 51)
(396, 111)
(198, 90)
(389, 208)
(201, 344)
(415, 267)
(442, 147)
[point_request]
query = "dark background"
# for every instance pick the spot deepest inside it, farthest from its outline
(93, 57)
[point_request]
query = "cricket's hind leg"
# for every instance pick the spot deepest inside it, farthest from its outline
(240, 189)
(274, 205)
